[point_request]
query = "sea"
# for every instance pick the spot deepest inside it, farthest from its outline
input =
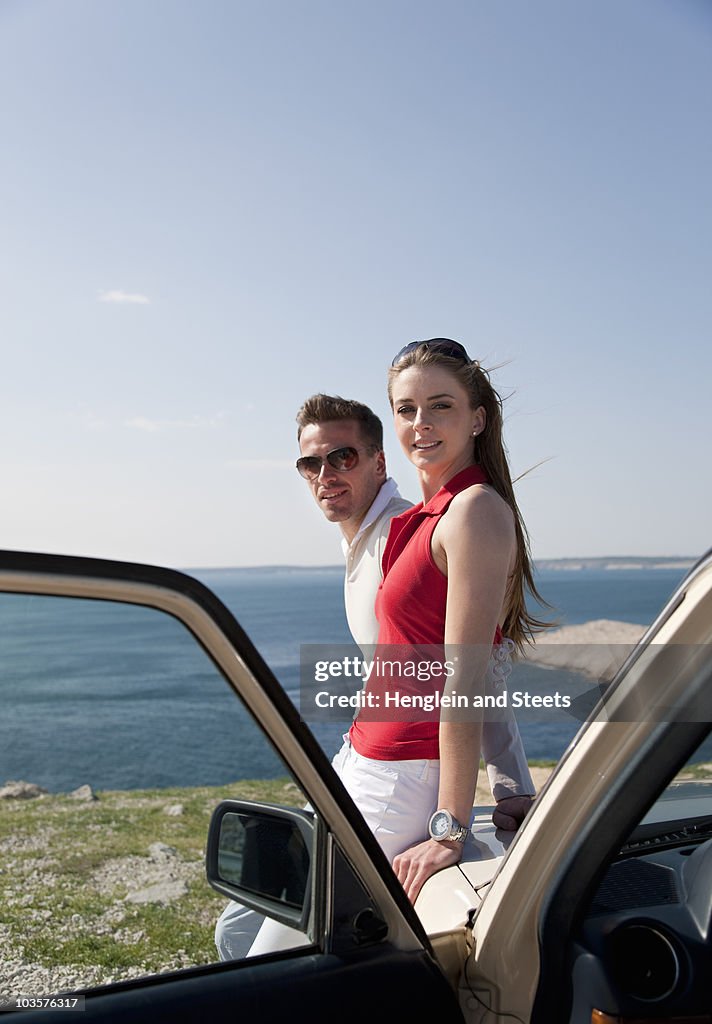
(66, 722)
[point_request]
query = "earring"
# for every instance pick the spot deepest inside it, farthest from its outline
(474, 432)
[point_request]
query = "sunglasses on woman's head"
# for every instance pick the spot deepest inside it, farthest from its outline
(445, 346)
(341, 459)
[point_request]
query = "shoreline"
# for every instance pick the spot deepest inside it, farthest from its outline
(596, 648)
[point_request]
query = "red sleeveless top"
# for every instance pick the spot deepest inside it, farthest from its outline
(410, 607)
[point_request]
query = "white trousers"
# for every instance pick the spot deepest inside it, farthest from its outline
(396, 799)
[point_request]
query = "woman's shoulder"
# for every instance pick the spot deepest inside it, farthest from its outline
(482, 497)
(479, 508)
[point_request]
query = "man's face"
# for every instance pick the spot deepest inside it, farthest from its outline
(343, 497)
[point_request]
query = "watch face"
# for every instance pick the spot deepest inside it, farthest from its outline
(440, 825)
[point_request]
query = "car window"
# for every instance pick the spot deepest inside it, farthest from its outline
(686, 803)
(118, 738)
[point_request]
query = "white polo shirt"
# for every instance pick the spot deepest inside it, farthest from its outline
(363, 563)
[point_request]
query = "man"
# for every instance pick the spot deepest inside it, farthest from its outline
(342, 460)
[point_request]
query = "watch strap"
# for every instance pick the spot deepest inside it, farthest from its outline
(459, 835)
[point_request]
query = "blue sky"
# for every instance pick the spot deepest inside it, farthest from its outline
(212, 210)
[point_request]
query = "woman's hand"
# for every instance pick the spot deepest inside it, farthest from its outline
(415, 865)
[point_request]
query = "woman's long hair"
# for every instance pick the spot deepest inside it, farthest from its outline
(490, 452)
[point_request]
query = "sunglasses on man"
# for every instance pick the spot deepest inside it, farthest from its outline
(341, 459)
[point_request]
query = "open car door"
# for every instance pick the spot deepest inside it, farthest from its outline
(122, 641)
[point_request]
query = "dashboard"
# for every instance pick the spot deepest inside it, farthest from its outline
(644, 949)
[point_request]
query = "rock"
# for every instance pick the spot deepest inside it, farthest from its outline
(19, 790)
(596, 649)
(162, 892)
(129, 937)
(83, 793)
(174, 810)
(161, 851)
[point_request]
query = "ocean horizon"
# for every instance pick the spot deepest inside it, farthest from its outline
(138, 716)
(581, 563)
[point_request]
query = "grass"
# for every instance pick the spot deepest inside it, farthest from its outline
(68, 870)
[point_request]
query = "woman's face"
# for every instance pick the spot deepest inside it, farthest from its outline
(434, 420)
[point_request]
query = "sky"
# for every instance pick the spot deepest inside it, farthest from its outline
(211, 210)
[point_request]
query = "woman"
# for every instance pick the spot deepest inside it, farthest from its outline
(455, 570)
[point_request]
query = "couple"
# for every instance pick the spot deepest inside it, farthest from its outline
(449, 571)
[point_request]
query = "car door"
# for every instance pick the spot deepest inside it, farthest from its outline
(526, 962)
(111, 667)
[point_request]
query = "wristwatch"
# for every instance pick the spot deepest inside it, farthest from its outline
(442, 825)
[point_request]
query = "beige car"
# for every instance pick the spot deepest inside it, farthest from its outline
(602, 907)
(599, 910)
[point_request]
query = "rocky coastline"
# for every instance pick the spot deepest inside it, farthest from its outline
(596, 649)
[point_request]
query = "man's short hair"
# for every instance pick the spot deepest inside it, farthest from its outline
(328, 408)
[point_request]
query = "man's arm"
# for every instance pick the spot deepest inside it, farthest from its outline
(507, 770)
(503, 751)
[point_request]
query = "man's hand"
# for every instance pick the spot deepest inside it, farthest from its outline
(511, 812)
(415, 865)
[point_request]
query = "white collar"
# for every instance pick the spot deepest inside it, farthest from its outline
(389, 490)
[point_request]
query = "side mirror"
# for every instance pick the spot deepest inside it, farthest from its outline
(261, 856)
